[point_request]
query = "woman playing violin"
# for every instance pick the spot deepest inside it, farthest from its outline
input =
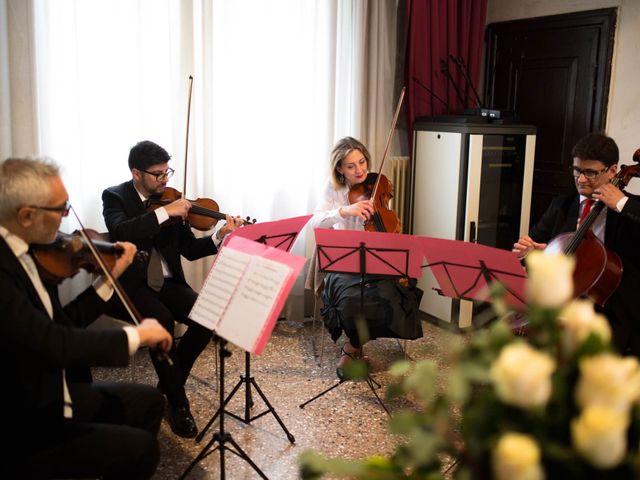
(595, 164)
(349, 166)
(390, 309)
(158, 288)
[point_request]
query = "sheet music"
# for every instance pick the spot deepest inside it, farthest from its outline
(239, 295)
(256, 295)
(218, 289)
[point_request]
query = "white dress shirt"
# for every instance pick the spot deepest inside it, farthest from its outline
(21, 250)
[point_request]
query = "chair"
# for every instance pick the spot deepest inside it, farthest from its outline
(314, 282)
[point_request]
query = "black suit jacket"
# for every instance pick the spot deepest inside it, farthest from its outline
(127, 220)
(34, 349)
(622, 235)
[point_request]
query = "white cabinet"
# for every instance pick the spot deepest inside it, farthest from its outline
(470, 182)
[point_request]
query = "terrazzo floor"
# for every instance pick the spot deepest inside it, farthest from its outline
(346, 422)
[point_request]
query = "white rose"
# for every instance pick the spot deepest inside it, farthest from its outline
(550, 282)
(579, 320)
(600, 436)
(522, 376)
(517, 457)
(609, 380)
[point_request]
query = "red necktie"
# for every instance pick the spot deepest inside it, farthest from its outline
(588, 203)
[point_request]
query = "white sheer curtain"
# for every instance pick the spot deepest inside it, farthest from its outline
(267, 103)
(275, 84)
(107, 76)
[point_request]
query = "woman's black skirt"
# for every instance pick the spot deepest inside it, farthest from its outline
(389, 308)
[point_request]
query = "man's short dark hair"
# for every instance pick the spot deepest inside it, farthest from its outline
(597, 146)
(146, 153)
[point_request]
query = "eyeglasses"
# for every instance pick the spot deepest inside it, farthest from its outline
(588, 173)
(63, 209)
(160, 176)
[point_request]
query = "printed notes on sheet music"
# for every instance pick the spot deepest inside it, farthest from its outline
(239, 296)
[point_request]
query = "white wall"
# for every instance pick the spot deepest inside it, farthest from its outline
(623, 116)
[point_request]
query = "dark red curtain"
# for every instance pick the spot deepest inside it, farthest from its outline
(436, 31)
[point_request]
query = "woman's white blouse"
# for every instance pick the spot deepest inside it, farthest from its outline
(326, 214)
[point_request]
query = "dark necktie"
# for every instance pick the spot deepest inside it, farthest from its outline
(155, 277)
(588, 203)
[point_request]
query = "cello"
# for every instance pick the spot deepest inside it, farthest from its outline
(598, 270)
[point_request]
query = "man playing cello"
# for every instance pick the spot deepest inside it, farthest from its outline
(595, 164)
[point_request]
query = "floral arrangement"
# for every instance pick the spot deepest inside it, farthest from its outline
(558, 403)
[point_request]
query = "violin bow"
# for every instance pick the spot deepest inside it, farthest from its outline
(122, 295)
(186, 140)
(389, 138)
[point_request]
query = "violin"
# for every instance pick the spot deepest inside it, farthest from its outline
(82, 241)
(70, 252)
(203, 215)
(598, 270)
(379, 190)
(383, 219)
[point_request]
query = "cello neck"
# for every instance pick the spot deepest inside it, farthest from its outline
(598, 206)
(584, 227)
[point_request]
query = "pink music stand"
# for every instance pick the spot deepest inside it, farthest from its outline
(465, 270)
(280, 234)
(362, 252)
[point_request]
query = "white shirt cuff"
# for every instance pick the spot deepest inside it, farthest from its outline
(103, 288)
(161, 215)
(134, 339)
(621, 203)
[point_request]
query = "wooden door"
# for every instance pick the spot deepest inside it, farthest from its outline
(553, 72)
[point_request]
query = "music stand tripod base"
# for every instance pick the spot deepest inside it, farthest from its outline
(370, 381)
(221, 437)
(247, 381)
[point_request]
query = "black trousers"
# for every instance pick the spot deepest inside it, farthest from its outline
(112, 436)
(172, 303)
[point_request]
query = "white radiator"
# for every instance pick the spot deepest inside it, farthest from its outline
(400, 179)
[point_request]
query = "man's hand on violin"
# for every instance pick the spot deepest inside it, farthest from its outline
(125, 259)
(362, 209)
(608, 194)
(525, 244)
(230, 226)
(152, 334)
(178, 208)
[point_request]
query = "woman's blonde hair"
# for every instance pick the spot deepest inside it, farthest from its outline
(342, 148)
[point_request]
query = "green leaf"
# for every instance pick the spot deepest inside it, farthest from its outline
(399, 368)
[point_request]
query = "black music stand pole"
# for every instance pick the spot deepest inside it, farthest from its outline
(285, 242)
(378, 254)
(221, 437)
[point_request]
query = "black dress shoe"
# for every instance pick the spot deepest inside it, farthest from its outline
(181, 422)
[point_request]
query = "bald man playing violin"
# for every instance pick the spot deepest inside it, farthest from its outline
(57, 423)
(159, 288)
(595, 164)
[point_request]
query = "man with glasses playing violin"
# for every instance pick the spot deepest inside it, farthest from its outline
(56, 422)
(595, 164)
(159, 289)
